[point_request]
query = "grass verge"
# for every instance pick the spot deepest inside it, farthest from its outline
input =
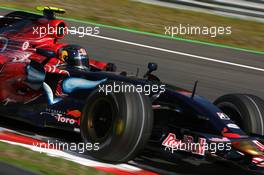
(153, 19)
(41, 163)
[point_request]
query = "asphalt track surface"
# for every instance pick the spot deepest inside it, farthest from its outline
(180, 69)
(219, 71)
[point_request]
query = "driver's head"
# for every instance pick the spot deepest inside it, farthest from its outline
(75, 55)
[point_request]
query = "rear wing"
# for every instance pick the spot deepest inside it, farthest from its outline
(49, 12)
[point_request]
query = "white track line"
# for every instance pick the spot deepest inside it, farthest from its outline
(174, 52)
(178, 53)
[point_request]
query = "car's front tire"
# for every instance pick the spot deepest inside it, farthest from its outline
(121, 123)
(247, 111)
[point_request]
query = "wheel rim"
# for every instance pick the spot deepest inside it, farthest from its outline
(100, 119)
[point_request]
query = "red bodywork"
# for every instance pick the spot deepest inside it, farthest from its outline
(18, 48)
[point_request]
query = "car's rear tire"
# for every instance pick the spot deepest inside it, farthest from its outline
(247, 111)
(120, 122)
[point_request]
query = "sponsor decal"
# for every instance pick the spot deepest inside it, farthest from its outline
(199, 148)
(187, 144)
(222, 116)
(74, 113)
(259, 161)
(223, 139)
(259, 145)
(71, 117)
(226, 133)
(25, 45)
(22, 57)
(232, 125)
(55, 111)
(62, 119)
(171, 141)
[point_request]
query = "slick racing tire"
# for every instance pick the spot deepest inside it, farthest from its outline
(247, 111)
(120, 123)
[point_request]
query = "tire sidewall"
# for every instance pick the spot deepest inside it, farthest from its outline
(134, 116)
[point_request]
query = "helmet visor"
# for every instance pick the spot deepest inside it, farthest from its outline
(81, 59)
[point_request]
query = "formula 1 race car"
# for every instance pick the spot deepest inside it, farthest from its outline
(51, 84)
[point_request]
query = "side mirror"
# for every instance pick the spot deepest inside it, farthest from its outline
(46, 53)
(152, 67)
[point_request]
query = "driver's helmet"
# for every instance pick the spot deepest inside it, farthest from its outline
(75, 55)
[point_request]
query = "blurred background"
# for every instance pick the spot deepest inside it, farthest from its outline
(245, 17)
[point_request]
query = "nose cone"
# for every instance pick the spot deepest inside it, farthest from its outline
(247, 147)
